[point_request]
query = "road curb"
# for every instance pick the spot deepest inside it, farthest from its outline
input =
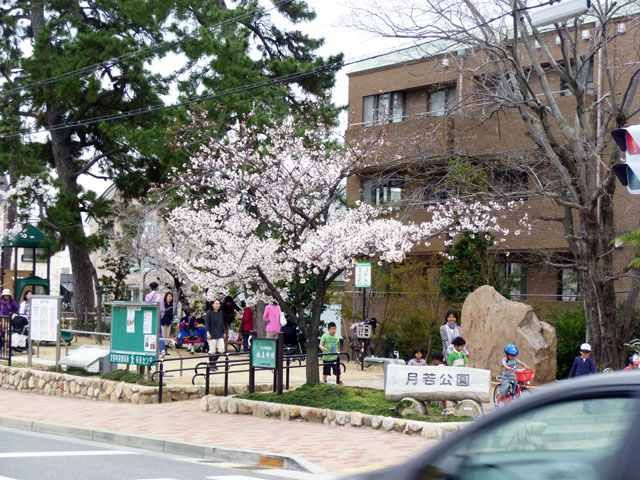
(206, 452)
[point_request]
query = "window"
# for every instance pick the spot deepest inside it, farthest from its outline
(569, 288)
(574, 438)
(509, 181)
(385, 107)
(588, 86)
(376, 192)
(442, 101)
(41, 255)
(515, 276)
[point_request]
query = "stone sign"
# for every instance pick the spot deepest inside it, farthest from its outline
(437, 383)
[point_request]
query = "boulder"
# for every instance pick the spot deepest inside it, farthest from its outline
(490, 321)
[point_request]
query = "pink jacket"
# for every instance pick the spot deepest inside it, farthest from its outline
(272, 316)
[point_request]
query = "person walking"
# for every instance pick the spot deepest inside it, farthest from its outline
(247, 325)
(214, 324)
(272, 317)
(449, 331)
(167, 316)
(154, 297)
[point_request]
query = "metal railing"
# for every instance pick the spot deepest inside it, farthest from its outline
(5, 339)
(228, 363)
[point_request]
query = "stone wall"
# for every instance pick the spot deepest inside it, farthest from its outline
(280, 411)
(95, 388)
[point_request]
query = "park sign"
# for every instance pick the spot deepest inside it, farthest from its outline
(363, 275)
(134, 333)
(437, 383)
(263, 352)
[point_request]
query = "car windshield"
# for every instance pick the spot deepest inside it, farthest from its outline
(563, 440)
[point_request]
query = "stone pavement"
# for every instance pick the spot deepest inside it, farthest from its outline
(338, 449)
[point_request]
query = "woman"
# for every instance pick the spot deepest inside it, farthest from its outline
(214, 323)
(25, 306)
(8, 306)
(167, 317)
(449, 331)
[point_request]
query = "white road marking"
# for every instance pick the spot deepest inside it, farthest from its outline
(65, 454)
(7, 478)
(232, 477)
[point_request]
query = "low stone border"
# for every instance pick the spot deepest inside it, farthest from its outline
(96, 388)
(242, 406)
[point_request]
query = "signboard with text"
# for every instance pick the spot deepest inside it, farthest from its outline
(437, 383)
(263, 352)
(363, 275)
(134, 333)
(44, 317)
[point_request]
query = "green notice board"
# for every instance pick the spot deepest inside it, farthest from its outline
(263, 352)
(134, 333)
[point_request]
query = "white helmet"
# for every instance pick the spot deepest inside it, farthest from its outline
(585, 347)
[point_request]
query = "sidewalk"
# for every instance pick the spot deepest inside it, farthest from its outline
(337, 449)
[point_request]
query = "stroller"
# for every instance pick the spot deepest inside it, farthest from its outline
(19, 333)
(196, 337)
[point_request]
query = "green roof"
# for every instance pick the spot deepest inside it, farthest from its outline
(29, 237)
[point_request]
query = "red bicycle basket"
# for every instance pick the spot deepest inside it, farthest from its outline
(524, 375)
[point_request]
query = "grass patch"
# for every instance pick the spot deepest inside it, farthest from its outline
(129, 377)
(348, 399)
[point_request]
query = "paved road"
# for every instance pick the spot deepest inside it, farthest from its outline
(338, 449)
(36, 456)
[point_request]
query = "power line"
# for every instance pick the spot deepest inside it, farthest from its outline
(254, 86)
(90, 68)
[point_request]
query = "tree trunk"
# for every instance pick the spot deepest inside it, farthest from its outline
(603, 332)
(83, 294)
(311, 338)
(259, 326)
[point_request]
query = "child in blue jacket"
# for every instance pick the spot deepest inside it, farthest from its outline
(583, 365)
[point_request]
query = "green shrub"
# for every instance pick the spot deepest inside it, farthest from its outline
(128, 377)
(80, 372)
(570, 332)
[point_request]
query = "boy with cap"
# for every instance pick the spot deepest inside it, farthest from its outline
(634, 362)
(583, 365)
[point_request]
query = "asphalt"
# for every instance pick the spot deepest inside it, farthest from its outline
(181, 428)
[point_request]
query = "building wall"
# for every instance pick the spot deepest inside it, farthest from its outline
(421, 140)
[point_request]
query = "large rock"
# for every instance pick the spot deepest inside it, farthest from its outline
(490, 321)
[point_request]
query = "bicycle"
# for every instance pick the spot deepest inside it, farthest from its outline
(517, 388)
(362, 342)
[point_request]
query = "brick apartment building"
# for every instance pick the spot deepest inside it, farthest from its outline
(415, 99)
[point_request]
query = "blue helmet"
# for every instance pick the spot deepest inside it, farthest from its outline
(511, 349)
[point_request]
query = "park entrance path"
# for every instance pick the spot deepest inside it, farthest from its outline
(335, 448)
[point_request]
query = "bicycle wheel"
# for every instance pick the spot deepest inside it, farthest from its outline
(496, 393)
(360, 356)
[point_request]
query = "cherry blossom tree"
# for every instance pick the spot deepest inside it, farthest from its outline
(267, 211)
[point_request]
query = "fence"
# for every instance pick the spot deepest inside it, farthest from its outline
(5, 339)
(229, 363)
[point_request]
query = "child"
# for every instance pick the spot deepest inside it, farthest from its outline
(509, 364)
(634, 362)
(329, 342)
(583, 365)
(417, 360)
(457, 357)
(437, 358)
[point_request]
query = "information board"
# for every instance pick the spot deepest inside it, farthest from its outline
(263, 352)
(363, 275)
(44, 317)
(134, 333)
